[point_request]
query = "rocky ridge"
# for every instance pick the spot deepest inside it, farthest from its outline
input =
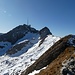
(21, 33)
(17, 33)
(16, 56)
(58, 60)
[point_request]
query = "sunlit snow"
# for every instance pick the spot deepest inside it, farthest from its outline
(13, 65)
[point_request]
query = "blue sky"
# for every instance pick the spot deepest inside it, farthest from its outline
(57, 15)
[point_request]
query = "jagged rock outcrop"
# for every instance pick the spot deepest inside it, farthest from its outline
(20, 31)
(44, 32)
(69, 66)
(17, 48)
(57, 67)
(17, 33)
(49, 56)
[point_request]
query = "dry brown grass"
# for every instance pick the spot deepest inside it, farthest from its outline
(55, 66)
(52, 58)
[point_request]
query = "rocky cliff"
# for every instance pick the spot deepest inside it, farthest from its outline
(20, 31)
(58, 60)
(17, 33)
(44, 32)
(21, 47)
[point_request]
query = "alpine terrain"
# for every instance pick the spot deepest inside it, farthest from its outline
(24, 50)
(27, 51)
(59, 59)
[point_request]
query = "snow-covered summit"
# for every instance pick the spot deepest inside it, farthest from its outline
(18, 62)
(17, 33)
(20, 34)
(57, 60)
(22, 46)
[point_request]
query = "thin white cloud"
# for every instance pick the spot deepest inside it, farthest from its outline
(5, 11)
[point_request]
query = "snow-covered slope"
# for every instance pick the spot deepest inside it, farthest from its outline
(20, 37)
(23, 44)
(31, 38)
(58, 60)
(16, 63)
(4, 46)
(16, 35)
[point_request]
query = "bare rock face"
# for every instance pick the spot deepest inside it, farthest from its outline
(69, 68)
(17, 48)
(62, 65)
(49, 56)
(20, 31)
(17, 33)
(44, 32)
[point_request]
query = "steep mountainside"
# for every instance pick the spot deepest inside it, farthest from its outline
(27, 51)
(17, 33)
(22, 46)
(57, 60)
(9, 42)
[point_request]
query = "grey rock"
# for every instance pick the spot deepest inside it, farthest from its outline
(44, 32)
(17, 33)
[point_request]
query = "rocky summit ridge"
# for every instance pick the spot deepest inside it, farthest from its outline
(9, 41)
(27, 51)
(57, 60)
(20, 31)
(22, 46)
(17, 33)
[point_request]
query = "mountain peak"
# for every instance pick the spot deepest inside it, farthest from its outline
(20, 31)
(44, 32)
(25, 28)
(17, 33)
(57, 60)
(22, 46)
